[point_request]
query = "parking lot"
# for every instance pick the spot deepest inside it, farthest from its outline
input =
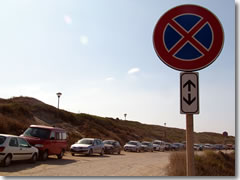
(125, 164)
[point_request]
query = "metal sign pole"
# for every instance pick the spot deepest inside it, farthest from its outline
(189, 145)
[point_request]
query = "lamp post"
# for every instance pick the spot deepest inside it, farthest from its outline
(125, 115)
(165, 133)
(58, 95)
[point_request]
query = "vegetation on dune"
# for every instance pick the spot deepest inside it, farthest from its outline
(16, 114)
(209, 163)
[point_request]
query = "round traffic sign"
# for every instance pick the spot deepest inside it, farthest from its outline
(188, 38)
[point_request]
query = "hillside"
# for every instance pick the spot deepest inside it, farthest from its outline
(17, 113)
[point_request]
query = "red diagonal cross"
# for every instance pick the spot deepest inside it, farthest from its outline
(187, 36)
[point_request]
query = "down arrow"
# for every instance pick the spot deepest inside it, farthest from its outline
(189, 101)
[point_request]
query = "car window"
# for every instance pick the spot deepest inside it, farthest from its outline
(52, 135)
(64, 135)
(85, 141)
(57, 135)
(13, 142)
(37, 132)
(2, 139)
(23, 143)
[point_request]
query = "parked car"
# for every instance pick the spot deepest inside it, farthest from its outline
(198, 147)
(88, 146)
(174, 147)
(147, 146)
(229, 146)
(112, 146)
(48, 140)
(208, 146)
(14, 148)
(132, 146)
(219, 147)
(168, 147)
(178, 146)
(158, 145)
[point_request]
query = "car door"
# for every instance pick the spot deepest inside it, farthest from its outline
(14, 148)
(95, 146)
(25, 149)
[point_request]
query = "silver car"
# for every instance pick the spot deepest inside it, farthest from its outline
(14, 148)
(88, 146)
(133, 146)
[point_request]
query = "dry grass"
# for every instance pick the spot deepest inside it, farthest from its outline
(209, 164)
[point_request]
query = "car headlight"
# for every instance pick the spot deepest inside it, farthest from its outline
(39, 145)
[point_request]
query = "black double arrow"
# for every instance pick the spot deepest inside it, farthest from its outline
(189, 84)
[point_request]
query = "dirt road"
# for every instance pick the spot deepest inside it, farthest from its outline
(126, 164)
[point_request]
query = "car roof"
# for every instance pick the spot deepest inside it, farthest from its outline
(91, 138)
(46, 127)
(8, 135)
(134, 141)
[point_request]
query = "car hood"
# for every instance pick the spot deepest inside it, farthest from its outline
(33, 140)
(144, 145)
(81, 145)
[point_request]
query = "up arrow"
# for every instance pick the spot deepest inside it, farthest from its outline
(189, 83)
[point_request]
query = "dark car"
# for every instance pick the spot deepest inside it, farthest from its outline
(147, 146)
(112, 146)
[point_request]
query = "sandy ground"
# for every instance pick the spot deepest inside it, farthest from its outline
(126, 164)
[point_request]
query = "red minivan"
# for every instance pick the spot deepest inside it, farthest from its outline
(49, 140)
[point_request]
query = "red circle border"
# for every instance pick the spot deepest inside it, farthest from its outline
(202, 62)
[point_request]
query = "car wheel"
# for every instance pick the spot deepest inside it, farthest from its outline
(73, 154)
(102, 152)
(45, 155)
(7, 160)
(34, 158)
(119, 152)
(60, 155)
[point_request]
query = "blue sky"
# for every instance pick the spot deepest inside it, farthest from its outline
(100, 55)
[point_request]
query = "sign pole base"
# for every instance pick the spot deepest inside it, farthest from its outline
(189, 145)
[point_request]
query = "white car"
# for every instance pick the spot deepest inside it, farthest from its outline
(133, 146)
(14, 148)
(88, 146)
(158, 145)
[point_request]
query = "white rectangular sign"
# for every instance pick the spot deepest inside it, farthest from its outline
(189, 93)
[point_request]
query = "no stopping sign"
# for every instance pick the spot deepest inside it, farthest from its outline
(188, 38)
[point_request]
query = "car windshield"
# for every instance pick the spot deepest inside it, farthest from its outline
(2, 139)
(157, 143)
(145, 143)
(108, 142)
(85, 141)
(132, 143)
(37, 132)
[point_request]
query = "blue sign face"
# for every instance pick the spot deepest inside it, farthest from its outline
(188, 51)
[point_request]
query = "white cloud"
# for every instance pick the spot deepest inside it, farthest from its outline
(84, 40)
(110, 79)
(67, 19)
(133, 70)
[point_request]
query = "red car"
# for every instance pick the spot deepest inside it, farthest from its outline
(48, 140)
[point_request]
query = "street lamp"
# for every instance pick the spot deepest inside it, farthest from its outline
(58, 95)
(125, 115)
(165, 133)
